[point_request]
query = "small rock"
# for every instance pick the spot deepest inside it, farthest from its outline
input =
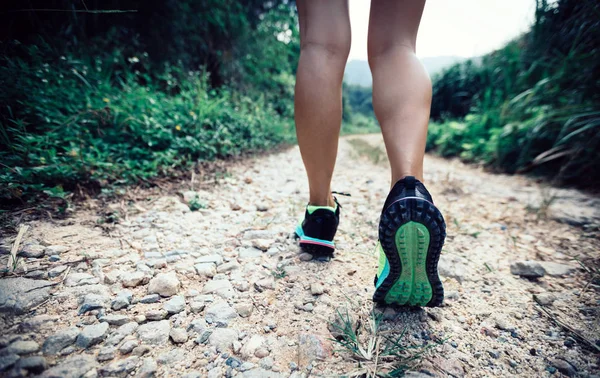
(148, 368)
(141, 350)
(115, 319)
(222, 288)
(564, 367)
(178, 335)
(78, 279)
(120, 333)
(7, 360)
(175, 305)
(246, 366)
(545, 299)
(557, 269)
(262, 244)
(252, 345)
(93, 302)
(244, 309)
(19, 295)
(34, 364)
(91, 335)
(435, 314)
(227, 267)
(127, 346)
(305, 256)
(233, 362)
(106, 353)
(122, 300)
(265, 284)
(134, 279)
(120, 368)
(223, 338)
(164, 284)
(197, 307)
(503, 324)
(214, 259)
(249, 253)
(316, 288)
(76, 366)
(262, 352)
(154, 315)
(262, 207)
(54, 258)
(312, 347)
(23, 347)
(528, 269)
(151, 298)
(60, 340)
(32, 251)
(453, 267)
(57, 271)
(154, 333)
(171, 357)
(55, 250)
(206, 269)
(494, 354)
(220, 312)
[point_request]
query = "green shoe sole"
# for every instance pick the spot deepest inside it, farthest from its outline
(411, 234)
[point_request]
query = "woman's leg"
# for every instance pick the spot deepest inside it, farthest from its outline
(401, 86)
(324, 48)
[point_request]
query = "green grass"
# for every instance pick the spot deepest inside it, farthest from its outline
(74, 122)
(531, 106)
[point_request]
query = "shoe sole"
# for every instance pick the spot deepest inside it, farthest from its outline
(315, 247)
(411, 232)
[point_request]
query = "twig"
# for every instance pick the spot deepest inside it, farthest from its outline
(13, 252)
(567, 327)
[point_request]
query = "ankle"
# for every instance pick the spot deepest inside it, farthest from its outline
(319, 201)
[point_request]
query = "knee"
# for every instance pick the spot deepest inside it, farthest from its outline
(333, 47)
(380, 49)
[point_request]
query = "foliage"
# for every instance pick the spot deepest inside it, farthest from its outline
(532, 105)
(108, 113)
(357, 110)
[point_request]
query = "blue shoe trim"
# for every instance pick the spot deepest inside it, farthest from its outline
(384, 274)
(300, 233)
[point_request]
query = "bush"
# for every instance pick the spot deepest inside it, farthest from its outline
(532, 105)
(77, 120)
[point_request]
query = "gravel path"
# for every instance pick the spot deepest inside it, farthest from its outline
(223, 290)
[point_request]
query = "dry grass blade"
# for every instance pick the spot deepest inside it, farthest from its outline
(12, 259)
(568, 328)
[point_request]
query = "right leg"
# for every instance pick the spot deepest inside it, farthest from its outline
(324, 49)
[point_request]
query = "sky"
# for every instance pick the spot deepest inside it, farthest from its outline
(463, 28)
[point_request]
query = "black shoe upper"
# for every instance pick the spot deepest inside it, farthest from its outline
(407, 187)
(321, 224)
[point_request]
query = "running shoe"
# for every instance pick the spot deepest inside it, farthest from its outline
(411, 235)
(317, 230)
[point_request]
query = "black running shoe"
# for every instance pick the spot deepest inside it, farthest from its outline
(411, 235)
(318, 228)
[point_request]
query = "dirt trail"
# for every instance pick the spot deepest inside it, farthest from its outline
(223, 291)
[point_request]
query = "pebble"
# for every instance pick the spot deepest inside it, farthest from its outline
(252, 345)
(305, 256)
(197, 307)
(23, 347)
(7, 360)
(170, 357)
(151, 298)
(141, 350)
(93, 302)
(120, 368)
(60, 340)
(55, 250)
(78, 279)
(164, 284)
(220, 312)
(175, 305)
(178, 335)
(134, 279)
(556, 269)
(148, 368)
(244, 309)
(128, 346)
(528, 269)
(91, 335)
(122, 300)
(54, 258)
(154, 333)
(545, 299)
(76, 366)
(32, 251)
(316, 288)
(33, 364)
(120, 333)
(494, 354)
(564, 367)
(115, 319)
(57, 271)
(154, 315)
(223, 338)
(206, 269)
(106, 353)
